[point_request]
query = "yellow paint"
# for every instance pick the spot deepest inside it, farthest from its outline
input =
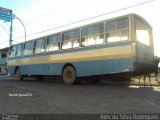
(73, 60)
(90, 55)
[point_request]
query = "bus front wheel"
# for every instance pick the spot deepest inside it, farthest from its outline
(69, 75)
(18, 74)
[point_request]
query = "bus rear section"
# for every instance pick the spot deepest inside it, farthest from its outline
(144, 62)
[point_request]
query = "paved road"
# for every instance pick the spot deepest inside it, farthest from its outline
(55, 97)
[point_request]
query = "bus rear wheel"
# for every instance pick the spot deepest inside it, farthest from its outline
(18, 74)
(69, 75)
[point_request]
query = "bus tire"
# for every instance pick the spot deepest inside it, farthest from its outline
(69, 75)
(18, 74)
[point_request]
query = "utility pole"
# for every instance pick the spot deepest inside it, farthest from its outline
(10, 36)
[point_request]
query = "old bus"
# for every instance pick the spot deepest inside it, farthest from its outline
(120, 46)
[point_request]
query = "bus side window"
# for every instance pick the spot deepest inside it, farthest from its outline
(76, 38)
(28, 48)
(67, 43)
(31, 47)
(123, 26)
(25, 51)
(12, 51)
(53, 43)
(92, 35)
(117, 30)
(99, 33)
(40, 46)
(71, 39)
(19, 50)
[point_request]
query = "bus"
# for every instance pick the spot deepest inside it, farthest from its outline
(120, 46)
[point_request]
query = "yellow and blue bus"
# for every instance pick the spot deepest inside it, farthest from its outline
(120, 46)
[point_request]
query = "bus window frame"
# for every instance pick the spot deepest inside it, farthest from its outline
(42, 47)
(94, 34)
(11, 50)
(72, 40)
(31, 49)
(118, 30)
(19, 50)
(53, 43)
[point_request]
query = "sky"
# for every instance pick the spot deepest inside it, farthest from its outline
(41, 15)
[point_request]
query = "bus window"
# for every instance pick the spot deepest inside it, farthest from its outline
(28, 48)
(39, 46)
(71, 39)
(76, 38)
(123, 27)
(142, 32)
(19, 50)
(53, 43)
(67, 43)
(117, 30)
(111, 26)
(12, 51)
(93, 34)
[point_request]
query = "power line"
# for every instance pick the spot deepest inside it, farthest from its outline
(122, 9)
(4, 29)
(16, 4)
(22, 4)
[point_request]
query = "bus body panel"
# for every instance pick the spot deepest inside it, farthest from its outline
(106, 59)
(104, 67)
(144, 61)
(84, 68)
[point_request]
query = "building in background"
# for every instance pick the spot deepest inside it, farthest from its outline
(3, 60)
